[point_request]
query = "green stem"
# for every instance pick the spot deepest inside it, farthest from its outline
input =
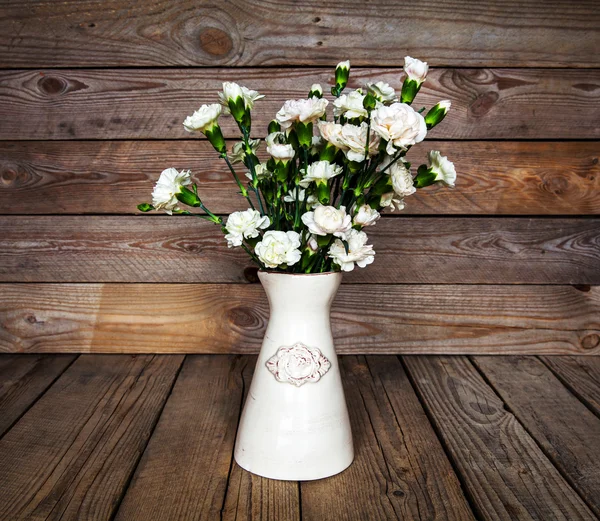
(252, 255)
(243, 190)
(246, 138)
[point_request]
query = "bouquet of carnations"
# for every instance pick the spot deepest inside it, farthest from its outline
(325, 181)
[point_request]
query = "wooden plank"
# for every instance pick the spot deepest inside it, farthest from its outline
(397, 454)
(71, 456)
(408, 250)
(252, 498)
(506, 474)
(141, 103)
(23, 379)
(518, 178)
(580, 375)
(187, 318)
(137, 32)
(183, 472)
(567, 432)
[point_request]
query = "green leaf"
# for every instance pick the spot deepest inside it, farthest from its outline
(145, 207)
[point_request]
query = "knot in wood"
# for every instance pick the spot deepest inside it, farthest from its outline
(590, 341)
(215, 41)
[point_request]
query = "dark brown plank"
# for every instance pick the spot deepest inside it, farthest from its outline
(580, 375)
(140, 103)
(138, 32)
(567, 431)
(206, 318)
(48, 177)
(504, 471)
(409, 250)
(183, 472)
(252, 498)
(23, 379)
(70, 457)
(397, 454)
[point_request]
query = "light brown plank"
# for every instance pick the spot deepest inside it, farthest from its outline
(450, 32)
(580, 375)
(140, 103)
(70, 457)
(408, 250)
(252, 498)
(567, 431)
(187, 318)
(397, 455)
(48, 177)
(23, 379)
(504, 471)
(183, 472)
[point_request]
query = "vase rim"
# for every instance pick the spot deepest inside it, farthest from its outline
(269, 272)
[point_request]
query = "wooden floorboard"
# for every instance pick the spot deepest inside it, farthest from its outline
(23, 379)
(507, 475)
(567, 431)
(70, 457)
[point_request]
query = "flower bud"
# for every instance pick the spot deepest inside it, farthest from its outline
(369, 102)
(410, 88)
(186, 196)
(316, 91)
(437, 114)
(425, 177)
(145, 207)
(342, 72)
(215, 136)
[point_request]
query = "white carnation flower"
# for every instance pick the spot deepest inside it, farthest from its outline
(359, 251)
(398, 124)
(244, 225)
(332, 133)
(415, 69)
(278, 248)
(204, 118)
(350, 105)
(442, 168)
(238, 153)
(354, 138)
(303, 110)
(366, 216)
(320, 172)
(328, 220)
(262, 172)
(277, 147)
(392, 201)
(382, 91)
(164, 195)
(233, 91)
(401, 179)
(290, 197)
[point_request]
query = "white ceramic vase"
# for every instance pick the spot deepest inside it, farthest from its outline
(295, 424)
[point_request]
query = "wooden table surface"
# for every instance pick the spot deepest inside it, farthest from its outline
(150, 437)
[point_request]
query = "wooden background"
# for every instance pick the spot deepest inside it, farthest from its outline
(92, 96)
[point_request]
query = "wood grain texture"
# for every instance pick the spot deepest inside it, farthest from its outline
(140, 103)
(183, 472)
(23, 379)
(518, 178)
(158, 32)
(506, 474)
(396, 454)
(72, 454)
(580, 375)
(253, 498)
(409, 250)
(566, 430)
(172, 318)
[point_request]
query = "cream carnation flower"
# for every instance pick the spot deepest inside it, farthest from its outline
(320, 172)
(278, 248)
(401, 179)
(415, 69)
(244, 225)
(303, 110)
(366, 216)
(204, 118)
(164, 196)
(328, 220)
(350, 105)
(290, 197)
(354, 138)
(382, 91)
(262, 172)
(332, 133)
(359, 252)
(399, 124)
(442, 168)
(232, 91)
(392, 201)
(238, 153)
(277, 147)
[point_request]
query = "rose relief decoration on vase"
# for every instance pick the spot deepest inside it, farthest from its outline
(298, 364)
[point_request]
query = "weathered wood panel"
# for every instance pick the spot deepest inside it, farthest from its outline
(61, 177)
(505, 473)
(23, 379)
(566, 430)
(397, 452)
(173, 318)
(139, 103)
(72, 454)
(138, 32)
(409, 250)
(580, 375)
(183, 472)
